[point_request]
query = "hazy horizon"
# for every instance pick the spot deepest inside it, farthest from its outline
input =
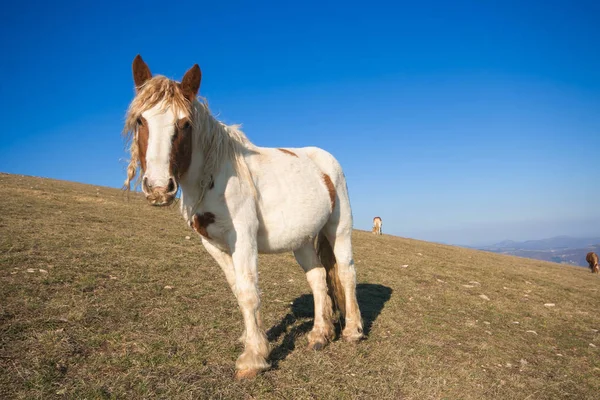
(517, 231)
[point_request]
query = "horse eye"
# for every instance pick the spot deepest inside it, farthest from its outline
(182, 125)
(138, 121)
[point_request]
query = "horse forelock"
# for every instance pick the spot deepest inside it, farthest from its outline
(158, 90)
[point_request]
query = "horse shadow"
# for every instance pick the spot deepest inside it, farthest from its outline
(371, 300)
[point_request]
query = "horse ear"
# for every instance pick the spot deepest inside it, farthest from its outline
(141, 72)
(190, 84)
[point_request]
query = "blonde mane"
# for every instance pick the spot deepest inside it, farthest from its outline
(216, 140)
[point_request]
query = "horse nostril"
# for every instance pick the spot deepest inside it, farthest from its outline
(172, 187)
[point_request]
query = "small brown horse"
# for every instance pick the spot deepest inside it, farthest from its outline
(592, 259)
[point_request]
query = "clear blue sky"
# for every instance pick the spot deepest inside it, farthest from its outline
(458, 121)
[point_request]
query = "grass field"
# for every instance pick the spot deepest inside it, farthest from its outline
(104, 297)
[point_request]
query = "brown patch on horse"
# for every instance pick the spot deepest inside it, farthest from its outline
(181, 148)
(592, 260)
(291, 153)
(190, 83)
(330, 189)
(201, 221)
(142, 140)
(141, 72)
(335, 289)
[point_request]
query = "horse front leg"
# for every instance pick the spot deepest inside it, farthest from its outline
(256, 347)
(225, 261)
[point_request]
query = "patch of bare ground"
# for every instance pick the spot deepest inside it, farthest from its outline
(103, 296)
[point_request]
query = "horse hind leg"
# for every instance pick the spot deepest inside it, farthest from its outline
(340, 242)
(323, 329)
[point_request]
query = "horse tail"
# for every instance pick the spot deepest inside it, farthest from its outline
(335, 290)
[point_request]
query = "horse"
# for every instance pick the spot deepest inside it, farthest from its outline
(592, 260)
(242, 200)
(377, 226)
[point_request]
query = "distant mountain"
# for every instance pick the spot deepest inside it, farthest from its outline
(559, 249)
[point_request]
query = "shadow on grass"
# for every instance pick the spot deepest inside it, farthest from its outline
(371, 299)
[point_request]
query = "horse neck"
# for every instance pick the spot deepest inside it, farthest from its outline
(213, 147)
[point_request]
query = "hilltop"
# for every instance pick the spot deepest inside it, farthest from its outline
(105, 297)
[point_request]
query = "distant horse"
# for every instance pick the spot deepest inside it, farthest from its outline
(592, 260)
(244, 200)
(377, 226)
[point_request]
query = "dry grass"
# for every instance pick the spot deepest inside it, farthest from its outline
(99, 323)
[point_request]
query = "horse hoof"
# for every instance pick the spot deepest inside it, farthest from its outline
(246, 374)
(316, 346)
(354, 337)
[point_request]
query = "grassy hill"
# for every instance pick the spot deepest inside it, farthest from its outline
(104, 297)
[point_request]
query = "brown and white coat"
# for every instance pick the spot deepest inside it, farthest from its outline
(243, 200)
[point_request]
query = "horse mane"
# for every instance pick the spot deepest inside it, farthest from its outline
(216, 140)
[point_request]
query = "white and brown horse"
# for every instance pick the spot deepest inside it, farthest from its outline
(243, 200)
(592, 260)
(377, 225)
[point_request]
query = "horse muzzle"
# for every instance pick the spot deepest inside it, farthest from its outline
(160, 195)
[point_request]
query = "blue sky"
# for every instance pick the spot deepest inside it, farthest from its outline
(459, 121)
